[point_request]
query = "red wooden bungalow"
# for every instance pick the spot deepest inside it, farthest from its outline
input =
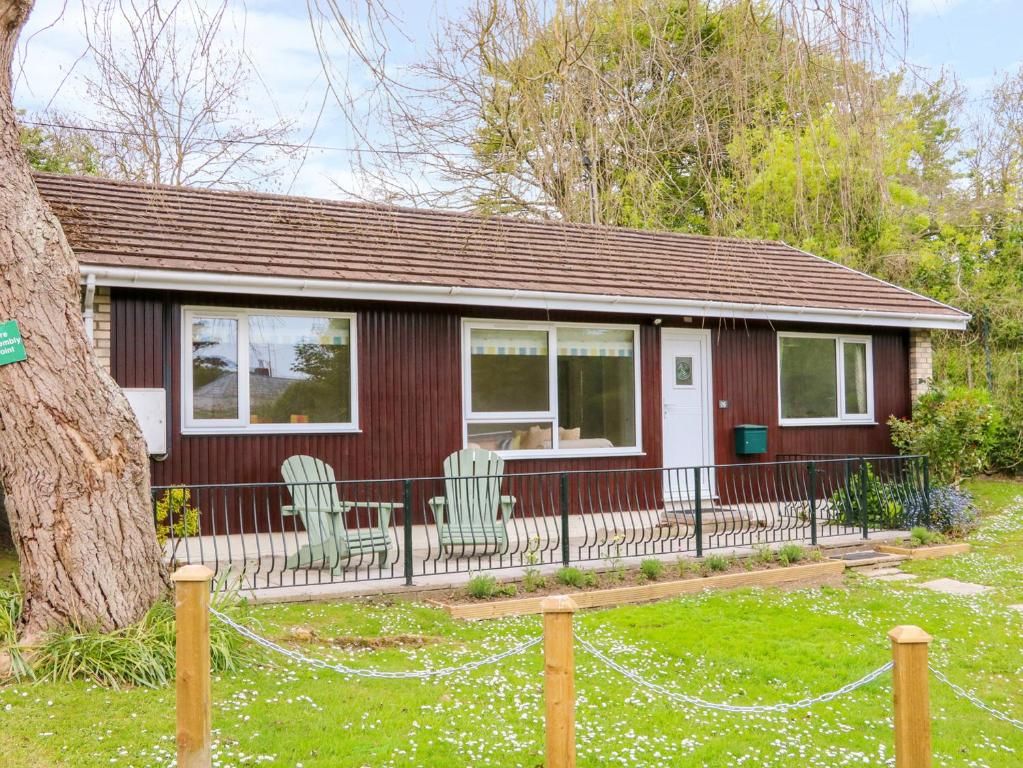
(247, 328)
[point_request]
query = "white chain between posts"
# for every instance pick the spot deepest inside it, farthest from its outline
(721, 707)
(963, 693)
(622, 670)
(420, 674)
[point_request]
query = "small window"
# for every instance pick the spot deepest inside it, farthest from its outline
(262, 371)
(824, 379)
(684, 371)
(551, 388)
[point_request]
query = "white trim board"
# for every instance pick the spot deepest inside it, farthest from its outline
(183, 280)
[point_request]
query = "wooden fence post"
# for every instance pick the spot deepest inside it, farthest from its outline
(192, 657)
(911, 696)
(559, 680)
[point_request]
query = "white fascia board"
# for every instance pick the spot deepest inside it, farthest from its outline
(215, 282)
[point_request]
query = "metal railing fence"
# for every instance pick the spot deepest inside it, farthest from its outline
(280, 534)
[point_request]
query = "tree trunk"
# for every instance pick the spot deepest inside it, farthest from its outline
(72, 458)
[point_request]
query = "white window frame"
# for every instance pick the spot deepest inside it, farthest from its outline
(843, 418)
(241, 425)
(550, 415)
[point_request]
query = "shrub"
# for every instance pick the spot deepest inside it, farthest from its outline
(790, 553)
(952, 511)
(955, 427)
(717, 562)
(884, 507)
(139, 655)
(651, 569)
(685, 567)
(175, 516)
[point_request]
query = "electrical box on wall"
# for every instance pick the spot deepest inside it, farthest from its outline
(750, 439)
(150, 407)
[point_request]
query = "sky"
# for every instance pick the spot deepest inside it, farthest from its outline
(974, 39)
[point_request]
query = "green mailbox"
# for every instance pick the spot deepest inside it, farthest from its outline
(750, 439)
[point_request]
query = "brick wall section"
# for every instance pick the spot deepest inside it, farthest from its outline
(921, 361)
(101, 326)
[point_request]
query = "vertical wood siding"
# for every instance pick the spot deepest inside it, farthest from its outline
(746, 375)
(410, 393)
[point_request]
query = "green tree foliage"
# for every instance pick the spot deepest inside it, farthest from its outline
(725, 118)
(58, 151)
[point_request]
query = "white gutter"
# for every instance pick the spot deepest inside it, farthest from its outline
(88, 303)
(216, 282)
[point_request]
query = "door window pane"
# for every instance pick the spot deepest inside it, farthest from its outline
(596, 388)
(684, 371)
(214, 368)
(520, 436)
(299, 370)
(509, 370)
(855, 373)
(809, 378)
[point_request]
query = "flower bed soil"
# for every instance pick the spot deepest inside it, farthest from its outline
(924, 552)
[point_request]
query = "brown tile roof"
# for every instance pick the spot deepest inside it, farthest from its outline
(121, 224)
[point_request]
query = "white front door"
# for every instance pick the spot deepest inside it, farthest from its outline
(687, 408)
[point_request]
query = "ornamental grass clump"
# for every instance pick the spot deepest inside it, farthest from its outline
(651, 569)
(717, 563)
(573, 577)
(763, 554)
(921, 537)
(141, 655)
(483, 586)
(790, 553)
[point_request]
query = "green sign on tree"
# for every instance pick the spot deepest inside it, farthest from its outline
(12, 349)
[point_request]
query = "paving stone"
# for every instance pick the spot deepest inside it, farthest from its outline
(1017, 607)
(900, 576)
(875, 572)
(953, 587)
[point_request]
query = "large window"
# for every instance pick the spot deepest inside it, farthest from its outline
(825, 379)
(551, 388)
(266, 371)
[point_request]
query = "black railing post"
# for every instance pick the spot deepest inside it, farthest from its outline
(811, 471)
(564, 520)
(864, 501)
(406, 519)
(848, 504)
(698, 512)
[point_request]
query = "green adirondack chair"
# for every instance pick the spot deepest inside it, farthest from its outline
(472, 515)
(313, 490)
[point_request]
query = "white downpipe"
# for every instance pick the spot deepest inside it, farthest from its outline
(88, 312)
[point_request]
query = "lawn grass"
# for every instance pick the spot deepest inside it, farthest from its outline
(8, 562)
(750, 646)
